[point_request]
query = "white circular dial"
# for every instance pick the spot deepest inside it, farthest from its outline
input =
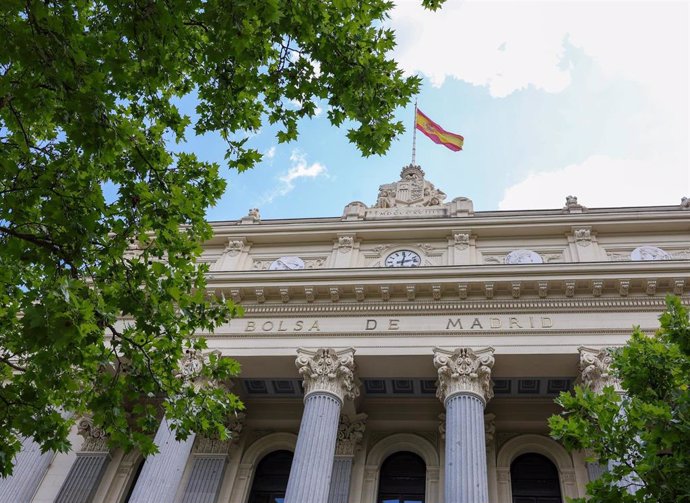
(287, 264)
(403, 258)
(523, 257)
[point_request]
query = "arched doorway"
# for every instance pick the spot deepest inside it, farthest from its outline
(534, 479)
(402, 479)
(271, 478)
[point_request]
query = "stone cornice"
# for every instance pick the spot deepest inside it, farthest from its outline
(464, 371)
(326, 370)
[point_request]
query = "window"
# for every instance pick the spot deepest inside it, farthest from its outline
(271, 478)
(402, 479)
(534, 479)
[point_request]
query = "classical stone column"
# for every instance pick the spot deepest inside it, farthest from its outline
(209, 457)
(85, 475)
(595, 373)
(464, 387)
(30, 465)
(328, 379)
(350, 433)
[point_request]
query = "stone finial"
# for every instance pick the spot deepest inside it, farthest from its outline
(253, 216)
(350, 434)
(595, 369)
(235, 247)
(685, 203)
(95, 439)
(464, 371)
(572, 206)
(328, 371)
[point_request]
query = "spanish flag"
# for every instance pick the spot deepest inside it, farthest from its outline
(437, 133)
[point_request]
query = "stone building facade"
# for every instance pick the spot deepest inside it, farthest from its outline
(408, 351)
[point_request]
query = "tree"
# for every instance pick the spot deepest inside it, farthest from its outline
(643, 434)
(100, 297)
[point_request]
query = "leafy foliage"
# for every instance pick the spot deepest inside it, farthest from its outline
(643, 436)
(101, 296)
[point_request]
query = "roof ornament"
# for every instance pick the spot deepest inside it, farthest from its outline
(411, 190)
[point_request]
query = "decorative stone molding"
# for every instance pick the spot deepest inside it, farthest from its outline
(385, 293)
(309, 294)
(359, 293)
(411, 292)
(462, 291)
(236, 295)
(309, 263)
(651, 287)
(335, 293)
(543, 288)
(515, 289)
(234, 247)
(464, 371)
(583, 236)
(678, 286)
(623, 287)
(461, 240)
(260, 297)
(328, 371)
(346, 243)
(569, 288)
(436, 292)
(284, 295)
(685, 203)
(489, 290)
(204, 445)
(595, 366)
(350, 434)
(597, 288)
(95, 439)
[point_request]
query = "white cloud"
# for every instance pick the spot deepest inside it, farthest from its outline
(299, 169)
(601, 181)
(270, 153)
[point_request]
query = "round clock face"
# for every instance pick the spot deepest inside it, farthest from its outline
(523, 257)
(649, 253)
(287, 264)
(403, 258)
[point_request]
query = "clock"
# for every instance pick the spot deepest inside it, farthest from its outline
(287, 263)
(403, 258)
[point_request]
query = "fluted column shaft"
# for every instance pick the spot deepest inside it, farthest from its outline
(328, 380)
(464, 386)
(466, 478)
(162, 472)
(310, 475)
(30, 465)
(340, 479)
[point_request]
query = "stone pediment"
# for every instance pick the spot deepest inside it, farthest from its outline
(410, 197)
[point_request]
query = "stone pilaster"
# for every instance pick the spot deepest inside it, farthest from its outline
(85, 475)
(350, 433)
(328, 380)
(464, 386)
(162, 472)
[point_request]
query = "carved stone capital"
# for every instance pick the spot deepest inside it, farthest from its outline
(350, 434)
(595, 369)
(328, 371)
(95, 439)
(464, 371)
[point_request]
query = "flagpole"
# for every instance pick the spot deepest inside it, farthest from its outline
(414, 134)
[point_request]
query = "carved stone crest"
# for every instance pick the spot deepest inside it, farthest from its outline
(583, 236)
(234, 247)
(328, 371)
(464, 371)
(461, 240)
(345, 243)
(411, 190)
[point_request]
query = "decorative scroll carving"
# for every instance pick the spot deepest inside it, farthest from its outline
(583, 236)
(284, 295)
(489, 290)
(678, 286)
(335, 293)
(385, 293)
(462, 290)
(515, 289)
(309, 263)
(569, 288)
(595, 367)
(350, 434)
(651, 287)
(464, 371)
(461, 240)
(411, 292)
(624, 287)
(191, 365)
(95, 439)
(328, 371)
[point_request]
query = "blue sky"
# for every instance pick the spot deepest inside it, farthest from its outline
(553, 98)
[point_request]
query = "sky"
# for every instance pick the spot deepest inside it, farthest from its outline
(553, 99)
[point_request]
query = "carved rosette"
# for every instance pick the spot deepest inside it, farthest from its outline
(350, 434)
(95, 439)
(595, 369)
(328, 371)
(464, 371)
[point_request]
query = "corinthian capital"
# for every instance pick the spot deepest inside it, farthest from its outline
(350, 434)
(95, 439)
(595, 369)
(464, 371)
(328, 371)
